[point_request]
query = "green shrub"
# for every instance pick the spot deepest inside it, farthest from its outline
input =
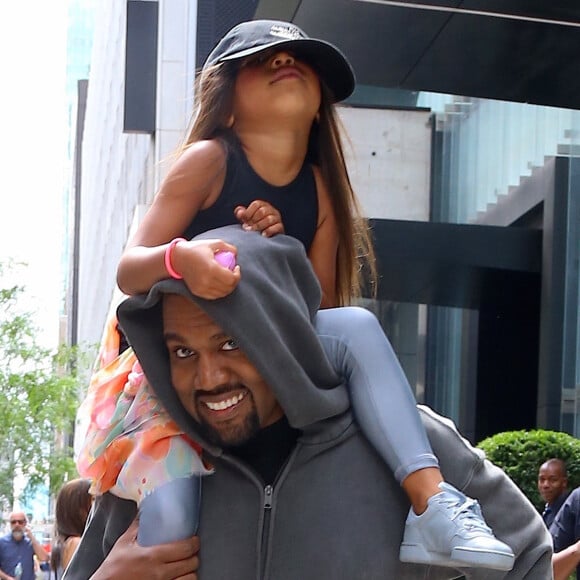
(520, 454)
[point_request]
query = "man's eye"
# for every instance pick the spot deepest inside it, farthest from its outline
(182, 352)
(230, 344)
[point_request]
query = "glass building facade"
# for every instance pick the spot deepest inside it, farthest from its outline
(512, 360)
(80, 28)
(488, 149)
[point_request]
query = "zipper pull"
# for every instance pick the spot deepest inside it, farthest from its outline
(268, 491)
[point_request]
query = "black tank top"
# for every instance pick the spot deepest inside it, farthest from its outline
(297, 202)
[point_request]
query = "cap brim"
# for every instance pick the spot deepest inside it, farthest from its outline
(324, 57)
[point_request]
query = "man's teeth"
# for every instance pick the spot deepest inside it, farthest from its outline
(226, 404)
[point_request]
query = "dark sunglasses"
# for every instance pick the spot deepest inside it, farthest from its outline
(263, 57)
(21, 522)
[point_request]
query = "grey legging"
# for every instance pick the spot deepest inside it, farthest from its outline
(381, 397)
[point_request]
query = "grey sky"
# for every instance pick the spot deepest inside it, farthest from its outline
(32, 155)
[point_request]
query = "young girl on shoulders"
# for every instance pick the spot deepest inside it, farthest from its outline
(264, 149)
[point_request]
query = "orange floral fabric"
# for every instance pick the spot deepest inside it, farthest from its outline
(132, 446)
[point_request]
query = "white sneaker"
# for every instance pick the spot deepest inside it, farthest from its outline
(452, 532)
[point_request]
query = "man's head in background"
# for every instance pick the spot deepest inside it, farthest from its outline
(552, 480)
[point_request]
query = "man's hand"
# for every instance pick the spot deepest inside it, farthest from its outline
(260, 216)
(175, 561)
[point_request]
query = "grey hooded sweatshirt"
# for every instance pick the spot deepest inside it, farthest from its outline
(335, 511)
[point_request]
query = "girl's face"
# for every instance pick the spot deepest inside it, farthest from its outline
(276, 82)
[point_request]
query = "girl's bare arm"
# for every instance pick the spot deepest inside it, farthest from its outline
(194, 182)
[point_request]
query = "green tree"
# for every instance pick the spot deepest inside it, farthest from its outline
(520, 454)
(39, 395)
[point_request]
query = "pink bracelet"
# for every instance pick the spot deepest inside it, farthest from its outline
(168, 251)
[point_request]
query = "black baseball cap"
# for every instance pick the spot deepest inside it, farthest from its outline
(254, 36)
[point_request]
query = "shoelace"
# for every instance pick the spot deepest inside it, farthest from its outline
(468, 512)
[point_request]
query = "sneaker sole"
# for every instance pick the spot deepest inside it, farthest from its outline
(482, 559)
(417, 554)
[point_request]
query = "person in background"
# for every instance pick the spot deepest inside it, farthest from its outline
(73, 504)
(553, 487)
(18, 548)
(565, 530)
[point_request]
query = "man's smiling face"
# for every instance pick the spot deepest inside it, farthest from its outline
(214, 380)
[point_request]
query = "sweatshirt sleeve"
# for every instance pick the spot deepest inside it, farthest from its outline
(110, 517)
(564, 526)
(512, 517)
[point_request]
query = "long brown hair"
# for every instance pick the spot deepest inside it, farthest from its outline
(73, 504)
(355, 263)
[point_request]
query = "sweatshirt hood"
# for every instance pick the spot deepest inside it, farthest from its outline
(270, 314)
